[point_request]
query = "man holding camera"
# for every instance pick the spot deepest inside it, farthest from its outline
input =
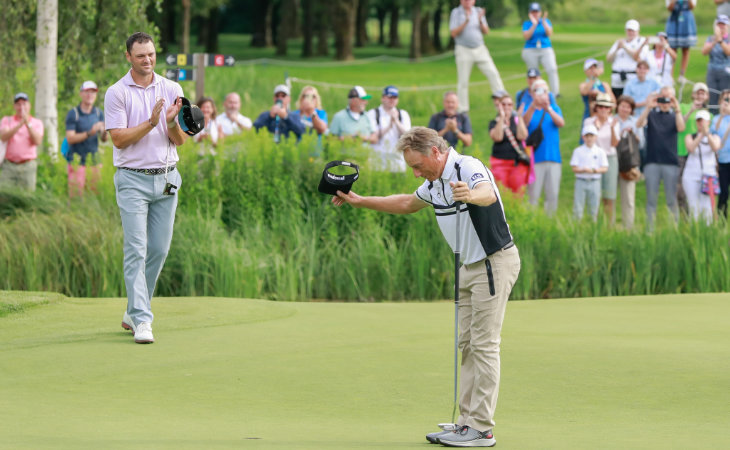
(663, 122)
(277, 119)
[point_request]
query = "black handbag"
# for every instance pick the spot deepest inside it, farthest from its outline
(534, 139)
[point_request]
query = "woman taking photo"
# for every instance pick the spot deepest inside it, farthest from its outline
(701, 160)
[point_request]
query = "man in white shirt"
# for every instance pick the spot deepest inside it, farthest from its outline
(389, 124)
(624, 54)
(233, 122)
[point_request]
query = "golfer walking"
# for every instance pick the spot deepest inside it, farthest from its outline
(491, 264)
(141, 111)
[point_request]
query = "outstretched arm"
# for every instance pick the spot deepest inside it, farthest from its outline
(393, 204)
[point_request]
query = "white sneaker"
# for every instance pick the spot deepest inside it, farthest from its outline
(128, 323)
(143, 333)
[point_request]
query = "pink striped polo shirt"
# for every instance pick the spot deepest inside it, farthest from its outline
(126, 105)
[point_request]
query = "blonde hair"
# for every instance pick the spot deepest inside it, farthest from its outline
(421, 139)
(313, 90)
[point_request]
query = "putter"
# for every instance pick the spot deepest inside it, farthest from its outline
(457, 257)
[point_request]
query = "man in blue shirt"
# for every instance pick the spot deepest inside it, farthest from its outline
(277, 119)
(640, 87)
(538, 48)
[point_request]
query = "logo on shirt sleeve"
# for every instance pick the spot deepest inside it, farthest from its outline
(476, 176)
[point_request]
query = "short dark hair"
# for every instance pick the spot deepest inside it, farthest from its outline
(138, 37)
(628, 100)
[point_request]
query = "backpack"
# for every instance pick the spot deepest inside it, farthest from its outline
(627, 150)
(377, 116)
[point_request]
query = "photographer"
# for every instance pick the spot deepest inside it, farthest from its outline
(277, 119)
(663, 122)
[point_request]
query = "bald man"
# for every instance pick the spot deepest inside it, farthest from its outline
(232, 121)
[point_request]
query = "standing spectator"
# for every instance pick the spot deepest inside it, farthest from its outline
(141, 116)
(592, 86)
(538, 48)
(468, 26)
(277, 119)
(688, 111)
(627, 180)
(309, 111)
(22, 134)
(524, 97)
(624, 54)
(681, 29)
(491, 264)
(588, 163)
(721, 127)
(663, 123)
(607, 137)
(661, 60)
(84, 127)
(702, 147)
(508, 131)
(213, 132)
(233, 122)
(352, 121)
(452, 125)
(547, 155)
(717, 47)
(640, 87)
(390, 123)
(723, 7)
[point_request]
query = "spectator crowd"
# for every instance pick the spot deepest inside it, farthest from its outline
(633, 129)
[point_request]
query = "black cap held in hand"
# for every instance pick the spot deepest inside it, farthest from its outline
(331, 183)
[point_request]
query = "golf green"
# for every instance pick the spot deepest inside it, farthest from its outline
(622, 372)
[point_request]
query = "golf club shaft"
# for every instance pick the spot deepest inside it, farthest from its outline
(457, 257)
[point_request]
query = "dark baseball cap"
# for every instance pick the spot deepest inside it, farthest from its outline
(330, 183)
(390, 91)
(533, 72)
(21, 96)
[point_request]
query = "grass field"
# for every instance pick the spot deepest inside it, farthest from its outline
(631, 372)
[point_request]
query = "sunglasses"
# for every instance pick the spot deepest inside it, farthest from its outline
(726, 99)
(280, 95)
(309, 96)
(507, 104)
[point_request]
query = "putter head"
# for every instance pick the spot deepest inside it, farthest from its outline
(448, 426)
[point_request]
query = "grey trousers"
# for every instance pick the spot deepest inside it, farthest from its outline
(586, 191)
(655, 174)
(147, 219)
(534, 57)
(547, 176)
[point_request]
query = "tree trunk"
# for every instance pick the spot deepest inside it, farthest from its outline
(343, 18)
(426, 41)
(437, 28)
(307, 25)
(46, 89)
(394, 18)
(259, 11)
(186, 27)
(268, 25)
(284, 28)
(361, 36)
(211, 41)
(381, 13)
(415, 51)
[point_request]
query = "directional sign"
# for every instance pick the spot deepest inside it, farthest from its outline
(220, 60)
(180, 74)
(180, 59)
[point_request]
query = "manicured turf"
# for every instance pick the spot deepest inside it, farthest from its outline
(632, 372)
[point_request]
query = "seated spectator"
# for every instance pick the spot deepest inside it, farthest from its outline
(390, 123)
(352, 121)
(588, 163)
(547, 155)
(309, 111)
(277, 119)
(84, 128)
(212, 133)
(450, 124)
(663, 122)
(508, 131)
(702, 160)
(627, 180)
(22, 134)
(524, 97)
(661, 60)
(233, 122)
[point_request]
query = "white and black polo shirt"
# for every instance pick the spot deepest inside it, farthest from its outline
(484, 229)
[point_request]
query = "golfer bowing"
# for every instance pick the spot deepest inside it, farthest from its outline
(491, 264)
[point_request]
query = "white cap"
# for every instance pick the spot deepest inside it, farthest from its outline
(700, 87)
(89, 85)
(702, 114)
(632, 25)
(590, 62)
(589, 129)
(282, 88)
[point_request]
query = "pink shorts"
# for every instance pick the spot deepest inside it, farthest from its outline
(505, 171)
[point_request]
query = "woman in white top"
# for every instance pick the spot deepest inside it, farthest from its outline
(607, 138)
(661, 60)
(212, 133)
(623, 56)
(701, 160)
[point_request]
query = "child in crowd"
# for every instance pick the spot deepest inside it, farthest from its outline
(588, 162)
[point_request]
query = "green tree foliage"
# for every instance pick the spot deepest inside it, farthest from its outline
(17, 28)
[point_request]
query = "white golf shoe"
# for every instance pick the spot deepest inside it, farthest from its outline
(143, 333)
(128, 323)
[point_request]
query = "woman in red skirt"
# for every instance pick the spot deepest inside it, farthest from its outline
(509, 162)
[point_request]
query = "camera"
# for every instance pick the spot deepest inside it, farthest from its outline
(654, 40)
(540, 91)
(279, 102)
(664, 100)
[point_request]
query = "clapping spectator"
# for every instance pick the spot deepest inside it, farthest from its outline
(22, 134)
(390, 124)
(661, 60)
(702, 147)
(688, 111)
(233, 122)
(450, 124)
(212, 133)
(509, 162)
(538, 48)
(624, 54)
(681, 29)
(352, 121)
(717, 47)
(721, 127)
(592, 86)
(607, 137)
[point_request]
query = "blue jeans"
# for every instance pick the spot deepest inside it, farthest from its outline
(147, 219)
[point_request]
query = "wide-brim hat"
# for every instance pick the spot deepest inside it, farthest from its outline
(603, 99)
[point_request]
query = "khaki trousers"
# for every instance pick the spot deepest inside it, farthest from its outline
(481, 313)
(628, 202)
(21, 176)
(465, 59)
